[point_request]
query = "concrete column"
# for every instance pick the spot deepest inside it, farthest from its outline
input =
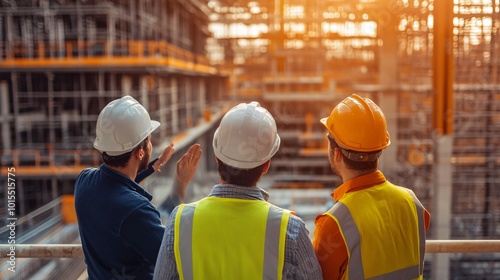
(53, 184)
(441, 204)
(59, 25)
(15, 103)
(51, 107)
(112, 84)
(80, 34)
(202, 101)
(111, 30)
(388, 102)
(162, 96)
(65, 127)
(9, 36)
(144, 94)
(84, 106)
(100, 84)
(174, 105)
(175, 24)
(189, 102)
(141, 13)
(4, 107)
(126, 85)
(387, 98)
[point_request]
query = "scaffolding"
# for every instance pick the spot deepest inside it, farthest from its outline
(301, 57)
(61, 62)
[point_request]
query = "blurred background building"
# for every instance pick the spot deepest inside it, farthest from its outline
(432, 66)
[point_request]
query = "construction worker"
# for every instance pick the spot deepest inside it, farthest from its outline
(375, 230)
(234, 233)
(120, 229)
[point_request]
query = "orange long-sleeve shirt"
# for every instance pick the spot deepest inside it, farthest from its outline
(328, 243)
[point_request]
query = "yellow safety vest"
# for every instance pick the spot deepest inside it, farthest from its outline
(229, 238)
(384, 232)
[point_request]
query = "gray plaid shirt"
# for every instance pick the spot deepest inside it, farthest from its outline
(300, 259)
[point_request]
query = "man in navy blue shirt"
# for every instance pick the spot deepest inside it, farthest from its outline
(120, 228)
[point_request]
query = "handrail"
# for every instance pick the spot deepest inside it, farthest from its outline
(30, 216)
(43, 251)
(463, 246)
(51, 251)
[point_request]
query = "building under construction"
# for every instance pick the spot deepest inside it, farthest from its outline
(432, 66)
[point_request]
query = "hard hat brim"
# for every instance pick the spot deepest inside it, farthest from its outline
(154, 126)
(323, 121)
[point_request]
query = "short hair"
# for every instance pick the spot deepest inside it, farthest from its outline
(123, 159)
(240, 177)
(352, 164)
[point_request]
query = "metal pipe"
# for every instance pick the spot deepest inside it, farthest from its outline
(52, 251)
(463, 246)
(44, 251)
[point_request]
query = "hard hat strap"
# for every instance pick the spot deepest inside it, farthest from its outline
(360, 156)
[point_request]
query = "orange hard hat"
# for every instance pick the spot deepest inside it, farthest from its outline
(358, 124)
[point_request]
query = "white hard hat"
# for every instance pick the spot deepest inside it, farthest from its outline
(122, 125)
(247, 136)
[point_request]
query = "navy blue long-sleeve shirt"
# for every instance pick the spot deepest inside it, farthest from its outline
(121, 230)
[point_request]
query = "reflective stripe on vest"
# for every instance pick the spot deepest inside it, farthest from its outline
(226, 238)
(372, 227)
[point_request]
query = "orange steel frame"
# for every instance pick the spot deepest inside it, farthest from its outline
(443, 67)
(136, 54)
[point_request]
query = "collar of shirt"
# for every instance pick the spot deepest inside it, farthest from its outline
(358, 183)
(234, 191)
(115, 175)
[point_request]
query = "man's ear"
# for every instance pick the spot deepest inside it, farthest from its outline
(338, 154)
(139, 153)
(266, 167)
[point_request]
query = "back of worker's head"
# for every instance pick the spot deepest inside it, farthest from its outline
(123, 125)
(246, 139)
(357, 126)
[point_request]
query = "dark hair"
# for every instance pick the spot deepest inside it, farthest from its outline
(122, 160)
(240, 177)
(351, 164)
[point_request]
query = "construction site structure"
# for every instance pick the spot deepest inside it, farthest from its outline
(433, 68)
(431, 65)
(61, 62)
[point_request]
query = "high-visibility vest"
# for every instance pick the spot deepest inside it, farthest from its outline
(384, 233)
(229, 238)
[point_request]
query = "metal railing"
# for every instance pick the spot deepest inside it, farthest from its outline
(41, 219)
(52, 251)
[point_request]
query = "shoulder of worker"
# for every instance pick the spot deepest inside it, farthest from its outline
(86, 172)
(294, 220)
(112, 192)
